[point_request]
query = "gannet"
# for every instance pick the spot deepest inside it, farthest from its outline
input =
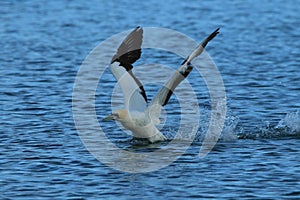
(137, 117)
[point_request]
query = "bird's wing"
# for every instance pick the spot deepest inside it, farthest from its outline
(164, 94)
(121, 67)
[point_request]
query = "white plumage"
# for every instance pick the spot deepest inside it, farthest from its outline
(137, 117)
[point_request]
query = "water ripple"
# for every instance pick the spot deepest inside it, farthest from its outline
(257, 52)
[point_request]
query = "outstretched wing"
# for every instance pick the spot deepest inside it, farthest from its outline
(121, 67)
(183, 71)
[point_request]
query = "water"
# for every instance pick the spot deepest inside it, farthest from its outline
(257, 52)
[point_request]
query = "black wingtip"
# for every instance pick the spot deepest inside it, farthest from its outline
(217, 30)
(130, 49)
(213, 34)
(137, 29)
(210, 37)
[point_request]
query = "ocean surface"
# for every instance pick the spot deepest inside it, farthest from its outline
(43, 45)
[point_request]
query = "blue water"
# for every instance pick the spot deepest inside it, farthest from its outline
(43, 44)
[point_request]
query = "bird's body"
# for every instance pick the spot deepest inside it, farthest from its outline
(139, 123)
(137, 117)
(141, 127)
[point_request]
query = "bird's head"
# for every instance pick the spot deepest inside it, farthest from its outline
(118, 115)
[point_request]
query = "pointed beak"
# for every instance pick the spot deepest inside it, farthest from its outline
(109, 118)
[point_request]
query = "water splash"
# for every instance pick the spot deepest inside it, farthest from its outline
(290, 123)
(289, 126)
(230, 130)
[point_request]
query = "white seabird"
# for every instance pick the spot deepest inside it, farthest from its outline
(137, 117)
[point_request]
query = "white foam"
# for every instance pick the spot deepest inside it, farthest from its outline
(290, 121)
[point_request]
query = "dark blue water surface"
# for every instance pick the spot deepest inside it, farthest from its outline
(43, 44)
